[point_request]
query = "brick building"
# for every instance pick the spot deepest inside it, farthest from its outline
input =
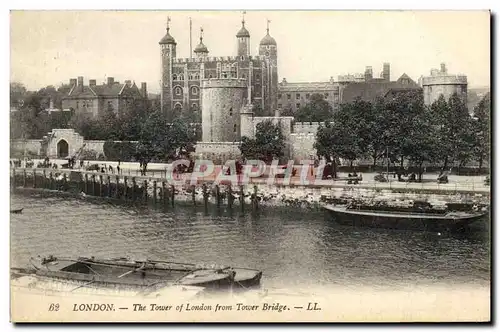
(94, 99)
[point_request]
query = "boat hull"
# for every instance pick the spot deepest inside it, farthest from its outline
(403, 222)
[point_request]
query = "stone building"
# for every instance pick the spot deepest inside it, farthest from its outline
(292, 96)
(441, 83)
(94, 99)
(181, 77)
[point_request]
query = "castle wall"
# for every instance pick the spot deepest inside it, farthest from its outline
(302, 146)
(222, 100)
(32, 146)
(443, 84)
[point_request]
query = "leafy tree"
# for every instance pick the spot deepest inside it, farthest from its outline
(326, 144)
(17, 94)
(481, 130)
(316, 110)
(267, 145)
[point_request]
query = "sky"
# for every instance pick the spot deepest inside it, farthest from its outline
(50, 47)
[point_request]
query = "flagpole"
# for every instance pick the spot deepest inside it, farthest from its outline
(190, 38)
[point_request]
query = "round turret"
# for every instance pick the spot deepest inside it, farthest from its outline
(167, 39)
(268, 40)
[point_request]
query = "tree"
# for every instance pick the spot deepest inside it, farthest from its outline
(316, 110)
(267, 145)
(481, 130)
(326, 144)
(258, 110)
(454, 123)
(17, 94)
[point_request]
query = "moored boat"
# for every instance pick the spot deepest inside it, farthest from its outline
(416, 217)
(123, 271)
(17, 211)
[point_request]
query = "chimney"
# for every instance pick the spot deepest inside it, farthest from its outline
(386, 72)
(368, 73)
(111, 80)
(144, 90)
(443, 68)
(72, 82)
(80, 83)
(92, 82)
(128, 83)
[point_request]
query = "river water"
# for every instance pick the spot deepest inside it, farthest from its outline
(294, 248)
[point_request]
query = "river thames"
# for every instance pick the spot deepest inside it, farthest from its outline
(296, 249)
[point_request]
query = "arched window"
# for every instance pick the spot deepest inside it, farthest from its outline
(231, 111)
(178, 107)
(178, 91)
(181, 77)
(210, 76)
(190, 76)
(242, 58)
(174, 77)
(196, 76)
(194, 90)
(235, 128)
(194, 106)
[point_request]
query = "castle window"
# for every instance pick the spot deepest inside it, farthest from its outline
(307, 96)
(288, 96)
(430, 90)
(197, 76)
(297, 96)
(194, 90)
(178, 90)
(235, 128)
(279, 105)
(231, 111)
(174, 77)
(224, 75)
(257, 77)
(326, 95)
(297, 105)
(190, 76)
(77, 105)
(181, 77)
(210, 76)
(242, 58)
(279, 95)
(194, 106)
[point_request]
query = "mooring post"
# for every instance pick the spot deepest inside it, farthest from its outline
(109, 186)
(255, 201)
(100, 185)
(193, 194)
(154, 192)
(217, 195)
(34, 178)
(65, 182)
(24, 178)
(117, 187)
(164, 193)
(145, 190)
(230, 197)
(172, 195)
(51, 180)
(242, 199)
(86, 183)
(93, 185)
(205, 195)
(133, 188)
(125, 183)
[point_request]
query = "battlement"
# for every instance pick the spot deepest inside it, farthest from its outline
(307, 127)
(216, 59)
(444, 80)
(224, 83)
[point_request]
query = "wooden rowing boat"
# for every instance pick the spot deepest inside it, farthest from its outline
(17, 211)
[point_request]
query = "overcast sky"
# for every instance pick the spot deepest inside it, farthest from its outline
(49, 47)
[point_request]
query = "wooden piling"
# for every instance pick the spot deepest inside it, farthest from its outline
(100, 186)
(145, 188)
(93, 185)
(44, 179)
(193, 194)
(242, 199)
(65, 182)
(205, 195)
(154, 192)
(133, 189)
(217, 195)
(24, 178)
(126, 187)
(109, 186)
(34, 178)
(255, 202)
(230, 197)
(117, 187)
(51, 180)
(164, 194)
(86, 183)
(172, 194)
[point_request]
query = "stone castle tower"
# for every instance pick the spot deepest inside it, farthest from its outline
(441, 83)
(181, 78)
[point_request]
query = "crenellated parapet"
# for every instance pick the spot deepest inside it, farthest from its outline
(307, 127)
(217, 59)
(444, 80)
